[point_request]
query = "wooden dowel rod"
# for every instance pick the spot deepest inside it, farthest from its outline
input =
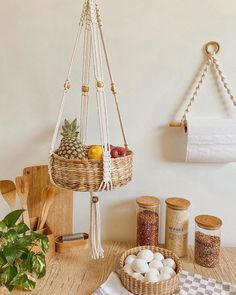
(177, 124)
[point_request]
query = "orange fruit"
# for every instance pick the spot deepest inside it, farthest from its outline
(95, 152)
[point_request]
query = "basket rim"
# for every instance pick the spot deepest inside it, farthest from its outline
(85, 160)
(176, 258)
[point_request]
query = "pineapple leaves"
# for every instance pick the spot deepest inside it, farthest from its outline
(70, 129)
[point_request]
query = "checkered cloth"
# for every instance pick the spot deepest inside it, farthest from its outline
(195, 284)
(191, 284)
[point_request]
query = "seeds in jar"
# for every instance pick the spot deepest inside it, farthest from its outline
(147, 228)
(207, 249)
(176, 238)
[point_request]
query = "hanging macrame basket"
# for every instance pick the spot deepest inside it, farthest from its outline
(90, 175)
(87, 175)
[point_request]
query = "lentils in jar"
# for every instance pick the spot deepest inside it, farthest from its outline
(207, 240)
(148, 221)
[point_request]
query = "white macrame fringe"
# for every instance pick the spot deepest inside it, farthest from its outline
(95, 228)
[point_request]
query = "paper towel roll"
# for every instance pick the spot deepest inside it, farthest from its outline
(211, 140)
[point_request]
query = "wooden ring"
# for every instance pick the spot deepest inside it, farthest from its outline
(216, 46)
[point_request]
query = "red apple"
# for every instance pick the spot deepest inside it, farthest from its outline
(122, 151)
(118, 152)
(114, 153)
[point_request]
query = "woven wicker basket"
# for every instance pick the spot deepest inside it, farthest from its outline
(86, 175)
(139, 287)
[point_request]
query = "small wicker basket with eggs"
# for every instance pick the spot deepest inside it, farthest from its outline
(150, 270)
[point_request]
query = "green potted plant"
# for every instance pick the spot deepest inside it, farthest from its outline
(20, 264)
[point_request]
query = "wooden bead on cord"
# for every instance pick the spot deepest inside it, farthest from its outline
(113, 88)
(67, 85)
(85, 88)
(100, 84)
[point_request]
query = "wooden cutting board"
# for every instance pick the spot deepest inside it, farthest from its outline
(60, 217)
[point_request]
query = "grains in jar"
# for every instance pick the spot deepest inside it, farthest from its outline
(177, 221)
(148, 221)
(207, 240)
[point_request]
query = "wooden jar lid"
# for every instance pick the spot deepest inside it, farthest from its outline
(148, 201)
(178, 203)
(208, 221)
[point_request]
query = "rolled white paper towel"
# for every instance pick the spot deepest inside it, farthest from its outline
(211, 140)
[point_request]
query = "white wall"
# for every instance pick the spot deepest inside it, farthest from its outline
(156, 51)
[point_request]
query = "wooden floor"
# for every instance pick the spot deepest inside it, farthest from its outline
(78, 274)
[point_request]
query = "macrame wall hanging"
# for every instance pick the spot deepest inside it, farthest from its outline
(209, 139)
(92, 175)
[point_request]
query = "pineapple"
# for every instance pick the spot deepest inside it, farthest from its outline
(70, 146)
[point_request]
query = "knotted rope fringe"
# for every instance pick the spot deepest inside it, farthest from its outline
(95, 228)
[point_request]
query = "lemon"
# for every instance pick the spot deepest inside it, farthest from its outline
(95, 152)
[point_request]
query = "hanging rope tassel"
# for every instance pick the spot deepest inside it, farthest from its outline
(95, 228)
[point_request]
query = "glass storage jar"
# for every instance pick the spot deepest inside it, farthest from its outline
(148, 217)
(177, 221)
(207, 240)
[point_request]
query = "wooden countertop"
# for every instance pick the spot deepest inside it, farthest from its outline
(77, 274)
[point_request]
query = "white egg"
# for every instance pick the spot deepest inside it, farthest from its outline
(154, 270)
(151, 277)
(129, 259)
(146, 255)
(140, 265)
(127, 268)
(168, 270)
(156, 264)
(164, 276)
(169, 262)
(137, 276)
(158, 256)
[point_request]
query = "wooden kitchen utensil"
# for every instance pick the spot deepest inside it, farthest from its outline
(22, 189)
(8, 190)
(60, 216)
(43, 197)
(51, 192)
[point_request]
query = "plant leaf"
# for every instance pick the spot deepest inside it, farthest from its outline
(2, 224)
(8, 274)
(21, 228)
(11, 218)
(23, 281)
(12, 252)
(25, 241)
(44, 243)
(42, 240)
(39, 264)
(10, 236)
(2, 259)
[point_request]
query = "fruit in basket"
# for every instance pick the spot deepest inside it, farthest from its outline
(118, 152)
(95, 152)
(71, 146)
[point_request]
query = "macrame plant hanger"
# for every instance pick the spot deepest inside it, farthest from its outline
(211, 60)
(94, 43)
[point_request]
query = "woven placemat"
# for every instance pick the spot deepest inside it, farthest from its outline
(191, 284)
